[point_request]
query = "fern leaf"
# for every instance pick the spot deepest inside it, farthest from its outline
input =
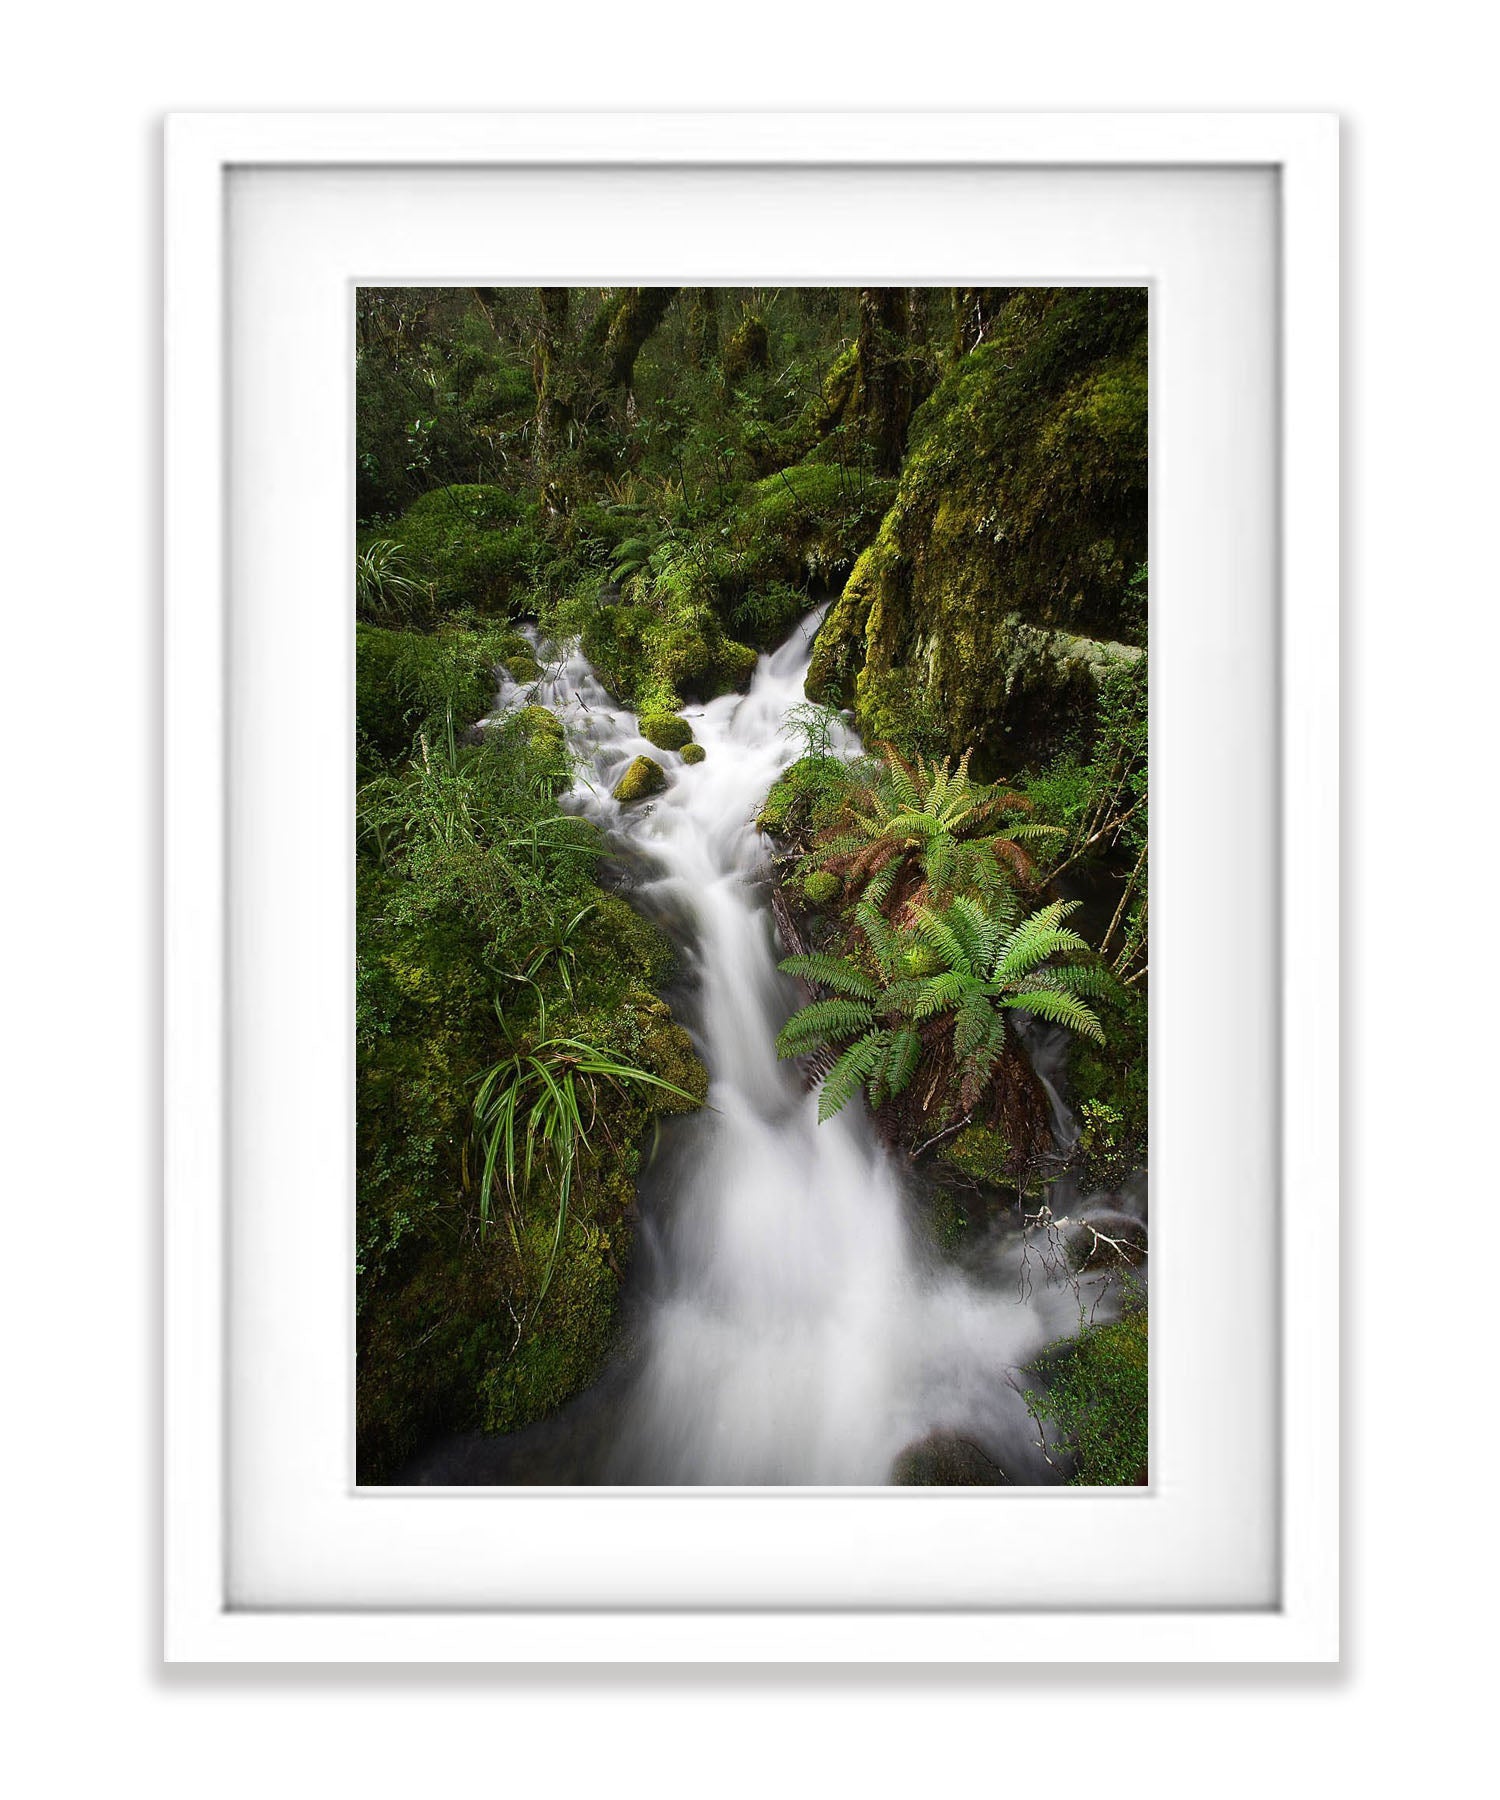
(848, 1074)
(901, 1059)
(936, 930)
(941, 994)
(834, 972)
(1060, 1009)
(823, 1022)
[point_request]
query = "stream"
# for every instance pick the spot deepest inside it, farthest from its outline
(787, 1318)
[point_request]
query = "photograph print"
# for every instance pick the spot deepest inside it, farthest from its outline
(751, 831)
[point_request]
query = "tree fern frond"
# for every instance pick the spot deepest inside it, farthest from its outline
(937, 930)
(849, 1073)
(901, 1060)
(824, 1021)
(941, 994)
(1059, 1008)
(835, 972)
(971, 1024)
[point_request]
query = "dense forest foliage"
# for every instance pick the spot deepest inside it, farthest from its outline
(673, 477)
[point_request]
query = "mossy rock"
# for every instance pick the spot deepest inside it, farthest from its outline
(668, 731)
(693, 753)
(667, 1051)
(1004, 580)
(569, 1341)
(522, 667)
(821, 887)
(643, 778)
(540, 723)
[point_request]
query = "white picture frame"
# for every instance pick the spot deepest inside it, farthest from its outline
(205, 1619)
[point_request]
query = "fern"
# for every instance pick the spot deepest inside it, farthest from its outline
(1060, 1008)
(823, 1020)
(848, 1074)
(834, 972)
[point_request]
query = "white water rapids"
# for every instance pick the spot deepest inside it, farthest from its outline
(789, 1321)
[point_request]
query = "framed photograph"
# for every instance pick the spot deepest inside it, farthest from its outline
(681, 1143)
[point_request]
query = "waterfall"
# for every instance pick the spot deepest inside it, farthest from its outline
(791, 1323)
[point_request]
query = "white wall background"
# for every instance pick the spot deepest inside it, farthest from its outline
(79, 373)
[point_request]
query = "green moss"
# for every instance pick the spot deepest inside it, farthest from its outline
(999, 585)
(805, 523)
(1095, 1400)
(667, 1050)
(470, 546)
(820, 888)
(540, 724)
(405, 681)
(664, 643)
(668, 731)
(566, 1344)
(693, 753)
(981, 1154)
(804, 795)
(643, 778)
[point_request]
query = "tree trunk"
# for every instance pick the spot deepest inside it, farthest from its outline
(974, 311)
(637, 314)
(703, 327)
(885, 388)
(553, 409)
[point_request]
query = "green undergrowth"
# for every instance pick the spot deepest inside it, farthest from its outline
(479, 924)
(406, 682)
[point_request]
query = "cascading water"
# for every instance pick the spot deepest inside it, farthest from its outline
(791, 1323)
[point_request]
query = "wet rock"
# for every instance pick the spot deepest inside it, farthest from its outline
(693, 753)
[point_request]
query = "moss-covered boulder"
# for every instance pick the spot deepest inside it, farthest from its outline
(667, 1051)
(804, 524)
(469, 545)
(407, 681)
(693, 753)
(643, 778)
(541, 723)
(1004, 578)
(662, 643)
(668, 731)
(821, 887)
